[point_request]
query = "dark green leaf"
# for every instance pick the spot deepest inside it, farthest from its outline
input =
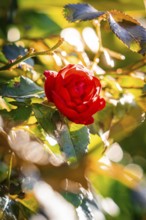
(12, 51)
(8, 74)
(128, 30)
(3, 58)
(80, 138)
(73, 141)
(81, 12)
(36, 24)
(11, 209)
(119, 193)
(74, 199)
(135, 142)
(65, 142)
(19, 114)
(87, 210)
(8, 209)
(28, 203)
(51, 122)
(25, 88)
(3, 171)
(47, 117)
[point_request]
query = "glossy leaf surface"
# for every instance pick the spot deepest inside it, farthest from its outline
(80, 12)
(23, 88)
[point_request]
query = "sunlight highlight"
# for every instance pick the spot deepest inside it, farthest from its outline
(48, 198)
(72, 36)
(135, 169)
(30, 149)
(38, 217)
(127, 98)
(108, 59)
(57, 59)
(115, 152)
(91, 39)
(110, 207)
(13, 34)
(51, 140)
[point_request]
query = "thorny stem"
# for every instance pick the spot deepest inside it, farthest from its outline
(32, 54)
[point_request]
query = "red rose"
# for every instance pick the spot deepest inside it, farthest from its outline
(75, 92)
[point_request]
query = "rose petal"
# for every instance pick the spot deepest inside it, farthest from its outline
(97, 85)
(75, 92)
(86, 121)
(49, 83)
(63, 92)
(78, 86)
(70, 113)
(63, 108)
(93, 106)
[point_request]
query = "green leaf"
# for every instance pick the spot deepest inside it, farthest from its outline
(81, 12)
(8, 209)
(3, 58)
(80, 138)
(87, 209)
(3, 171)
(12, 51)
(128, 30)
(65, 142)
(73, 198)
(73, 140)
(47, 117)
(50, 120)
(36, 24)
(119, 193)
(12, 208)
(24, 88)
(29, 202)
(83, 201)
(130, 82)
(135, 143)
(96, 147)
(19, 114)
(8, 74)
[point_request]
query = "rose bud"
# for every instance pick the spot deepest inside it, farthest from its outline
(75, 92)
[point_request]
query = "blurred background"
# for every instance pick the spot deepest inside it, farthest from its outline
(110, 183)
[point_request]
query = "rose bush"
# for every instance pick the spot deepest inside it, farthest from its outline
(75, 92)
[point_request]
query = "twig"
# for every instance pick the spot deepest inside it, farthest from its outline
(31, 54)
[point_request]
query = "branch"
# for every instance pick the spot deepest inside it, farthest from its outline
(32, 54)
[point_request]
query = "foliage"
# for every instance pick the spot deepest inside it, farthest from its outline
(49, 164)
